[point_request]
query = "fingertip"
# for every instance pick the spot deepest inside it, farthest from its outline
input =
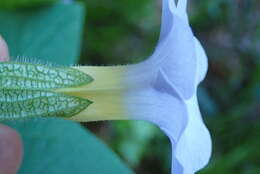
(11, 150)
(4, 53)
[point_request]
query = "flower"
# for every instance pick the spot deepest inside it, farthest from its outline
(161, 90)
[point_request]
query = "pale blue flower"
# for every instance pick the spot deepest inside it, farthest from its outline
(161, 90)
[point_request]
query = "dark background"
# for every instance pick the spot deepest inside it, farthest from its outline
(126, 31)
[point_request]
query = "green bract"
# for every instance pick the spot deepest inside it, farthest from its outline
(38, 103)
(28, 90)
(16, 75)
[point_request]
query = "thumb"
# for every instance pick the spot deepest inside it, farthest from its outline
(4, 54)
(10, 142)
(10, 150)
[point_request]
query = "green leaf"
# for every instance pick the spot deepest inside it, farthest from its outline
(23, 3)
(51, 34)
(59, 146)
(55, 146)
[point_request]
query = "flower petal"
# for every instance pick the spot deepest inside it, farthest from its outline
(180, 64)
(175, 51)
(193, 150)
(160, 105)
(182, 8)
(202, 61)
(183, 69)
(166, 19)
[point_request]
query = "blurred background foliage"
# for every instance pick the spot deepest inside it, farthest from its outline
(126, 31)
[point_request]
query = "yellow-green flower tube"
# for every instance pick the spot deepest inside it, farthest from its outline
(106, 92)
